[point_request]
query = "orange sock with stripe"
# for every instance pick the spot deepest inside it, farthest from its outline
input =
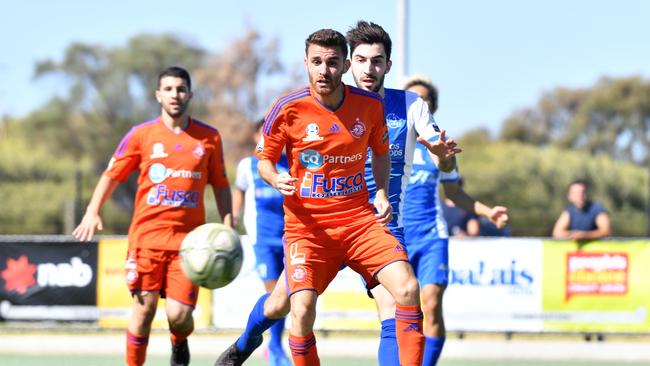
(178, 337)
(410, 340)
(136, 349)
(303, 350)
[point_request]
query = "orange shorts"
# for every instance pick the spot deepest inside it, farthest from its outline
(314, 257)
(159, 270)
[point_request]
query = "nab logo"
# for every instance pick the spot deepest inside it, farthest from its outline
(19, 275)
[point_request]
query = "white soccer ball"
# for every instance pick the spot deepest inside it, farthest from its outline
(211, 255)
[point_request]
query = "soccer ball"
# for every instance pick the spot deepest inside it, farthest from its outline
(211, 255)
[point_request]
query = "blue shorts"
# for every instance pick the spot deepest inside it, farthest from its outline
(270, 261)
(429, 256)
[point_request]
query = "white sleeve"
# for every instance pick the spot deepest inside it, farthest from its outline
(423, 121)
(244, 174)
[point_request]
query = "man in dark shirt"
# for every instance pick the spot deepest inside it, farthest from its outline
(582, 219)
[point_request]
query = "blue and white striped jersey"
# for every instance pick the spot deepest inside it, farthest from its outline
(407, 116)
(263, 212)
(422, 211)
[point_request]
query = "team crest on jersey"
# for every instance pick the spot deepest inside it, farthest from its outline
(312, 133)
(393, 121)
(358, 129)
(158, 151)
(198, 151)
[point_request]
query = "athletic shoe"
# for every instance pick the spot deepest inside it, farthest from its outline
(180, 354)
(234, 357)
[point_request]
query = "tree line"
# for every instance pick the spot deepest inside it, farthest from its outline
(51, 158)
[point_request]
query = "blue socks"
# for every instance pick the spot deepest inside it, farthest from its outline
(275, 343)
(255, 327)
(388, 352)
(432, 350)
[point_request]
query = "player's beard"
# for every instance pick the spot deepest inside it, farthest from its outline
(331, 84)
(176, 112)
(375, 87)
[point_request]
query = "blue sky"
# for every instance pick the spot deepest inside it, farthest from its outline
(488, 58)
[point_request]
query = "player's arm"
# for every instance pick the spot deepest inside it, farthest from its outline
(92, 220)
(473, 227)
(561, 227)
(237, 206)
(603, 229)
(381, 173)
(224, 204)
(283, 182)
(498, 215)
(441, 149)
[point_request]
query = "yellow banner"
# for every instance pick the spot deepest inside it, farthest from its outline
(113, 296)
(601, 286)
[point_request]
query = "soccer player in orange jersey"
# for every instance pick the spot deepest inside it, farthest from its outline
(326, 129)
(176, 156)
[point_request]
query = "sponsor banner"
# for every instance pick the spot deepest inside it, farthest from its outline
(42, 279)
(599, 286)
(114, 299)
(494, 285)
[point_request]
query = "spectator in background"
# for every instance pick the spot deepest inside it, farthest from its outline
(582, 219)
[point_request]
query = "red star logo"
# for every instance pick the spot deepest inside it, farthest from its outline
(19, 275)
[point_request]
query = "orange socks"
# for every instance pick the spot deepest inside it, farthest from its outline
(136, 349)
(408, 326)
(178, 337)
(303, 350)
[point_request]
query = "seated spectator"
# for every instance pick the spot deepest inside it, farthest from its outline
(582, 219)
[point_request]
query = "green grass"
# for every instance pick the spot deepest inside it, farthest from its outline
(59, 360)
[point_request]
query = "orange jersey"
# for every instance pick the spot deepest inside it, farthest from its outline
(174, 170)
(326, 150)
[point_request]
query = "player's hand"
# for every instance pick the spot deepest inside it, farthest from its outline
(285, 184)
(86, 229)
(384, 210)
(499, 216)
(442, 148)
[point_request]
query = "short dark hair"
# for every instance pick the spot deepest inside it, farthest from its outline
(427, 84)
(327, 38)
(579, 181)
(369, 33)
(178, 72)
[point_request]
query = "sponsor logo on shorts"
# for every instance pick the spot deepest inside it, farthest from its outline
(160, 195)
(358, 129)
(399, 248)
(296, 256)
(321, 186)
(393, 121)
(299, 274)
(158, 173)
